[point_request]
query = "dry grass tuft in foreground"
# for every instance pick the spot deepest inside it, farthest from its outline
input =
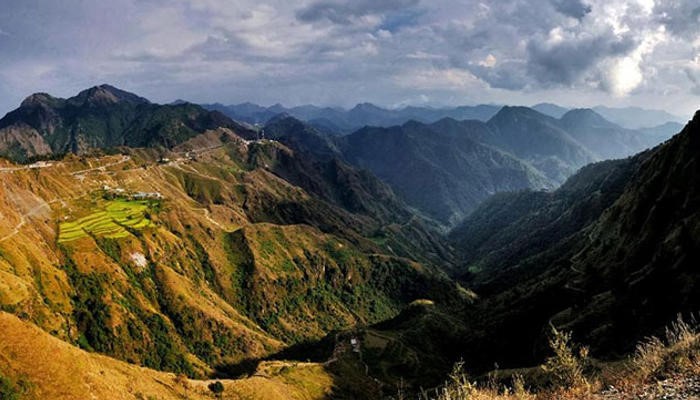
(660, 368)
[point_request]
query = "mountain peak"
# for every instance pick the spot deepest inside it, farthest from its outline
(580, 116)
(105, 94)
(38, 99)
(513, 111)
(365, 107)
(553, 110)
(582, 112)
(413, 124)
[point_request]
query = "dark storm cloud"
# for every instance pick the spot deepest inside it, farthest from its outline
(681, 17)
(510, 75)
(572, 8)
(568, 60)
(342, 12)
(389, 52)
(694, 79)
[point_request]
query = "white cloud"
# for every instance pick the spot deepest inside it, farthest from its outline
(386, 52)
(437, 79)
(489, 62)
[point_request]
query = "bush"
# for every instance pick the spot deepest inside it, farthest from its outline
(457, 387)
(567, 364)
(217, 388)
(13, 390)
(678, 353)
(520, 392)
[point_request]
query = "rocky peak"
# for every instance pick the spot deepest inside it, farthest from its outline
(38, 99)
(106, 95)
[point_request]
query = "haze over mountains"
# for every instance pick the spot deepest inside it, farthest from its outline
(333, 264)
(446, 168)
(338, 120)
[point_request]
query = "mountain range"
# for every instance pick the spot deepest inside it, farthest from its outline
(193, 252)
(447, 168)
(336, 120)
(154, 249)
(608, 255)
(100, 117)
(444, 169)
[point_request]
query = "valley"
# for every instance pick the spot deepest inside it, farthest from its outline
(283, 267)
(350, 200)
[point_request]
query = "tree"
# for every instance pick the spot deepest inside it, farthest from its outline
(217, 388)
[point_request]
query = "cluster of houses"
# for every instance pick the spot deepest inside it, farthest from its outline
(120, 192)
(40, 164)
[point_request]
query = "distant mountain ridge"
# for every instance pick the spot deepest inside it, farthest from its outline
(551, 109)
(556, 147)
(637, 117)
(447, 168)
(101, 117)
(338, 120)
(341, 121)
(442, 174)
(626, 117)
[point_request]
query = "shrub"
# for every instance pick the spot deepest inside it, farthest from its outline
(13, 390)
(567, 364)
(520, 392)
(457, 386)
(217, 388)
(678, 353)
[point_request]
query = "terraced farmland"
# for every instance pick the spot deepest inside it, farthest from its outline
(112, 221)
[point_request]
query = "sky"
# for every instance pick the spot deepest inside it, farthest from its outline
(342, 52)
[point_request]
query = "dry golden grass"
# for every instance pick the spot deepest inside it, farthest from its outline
(206, 203)
(57, 370)
(36, 204)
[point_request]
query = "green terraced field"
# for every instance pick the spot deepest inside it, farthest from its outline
(111, 221)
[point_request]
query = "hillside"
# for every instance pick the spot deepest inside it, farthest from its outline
(101, 117)
(216, 255)
(558, 147)
(447, 168)
(71, 373)
(221, 250)
(538, 139)
(442, 174)
(605, 139)
(607, 256)
(514, 226)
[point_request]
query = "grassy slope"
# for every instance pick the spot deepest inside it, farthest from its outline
(53, 369)
(229, 235)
